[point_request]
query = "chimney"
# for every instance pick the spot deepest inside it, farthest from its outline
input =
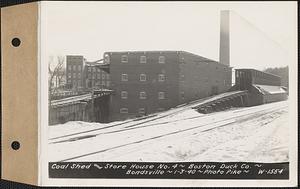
(224, 38)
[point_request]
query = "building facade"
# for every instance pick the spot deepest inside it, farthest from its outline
(83, 76)
(94, 77)
(152, 81)
(74, 72)
(262, 87)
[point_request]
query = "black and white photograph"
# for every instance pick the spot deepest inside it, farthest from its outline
(169, 90)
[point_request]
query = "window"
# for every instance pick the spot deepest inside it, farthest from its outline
(79, 67)
(161, 95)
(79, 75)
(94, 69)
(74, 67)
(106, 58)
(143, 77)
(182, 77)
(69, 75)
(94, 76)
(124, 58)
(124, 94)
(89, 69)
(124, 77)
(79, 83)
(143, 59)
(98, 76)
(98, 70)
(103, 76)
(143, 95)
(69, 67)
(161, 77)
(74, 75)
(182, 94)
(124, 110)
(107, 83)
(142, 111)
(161, 59)
(89, 76)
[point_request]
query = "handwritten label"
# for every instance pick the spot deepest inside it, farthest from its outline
(185, 170)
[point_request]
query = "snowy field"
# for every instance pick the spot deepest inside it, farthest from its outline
(252, 134)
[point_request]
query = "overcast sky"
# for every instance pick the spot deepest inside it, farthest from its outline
(263, 34)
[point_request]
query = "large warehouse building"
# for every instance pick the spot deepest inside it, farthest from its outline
(151, 81)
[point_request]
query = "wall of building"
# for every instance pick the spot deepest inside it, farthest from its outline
(92, 110)
(95, 78)
(152, 86)
(72, 112)
(74, 71)
(201, 77)
(82, 76)
(263, 78)
(246, 77)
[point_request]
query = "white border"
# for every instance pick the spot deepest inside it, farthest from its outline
(43, 117)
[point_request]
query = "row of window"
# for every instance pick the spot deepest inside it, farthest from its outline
(79, 68)
(143, 77)
(98, 76)
(93, 69)
(143, 59)
(74, 75)
(75, 67)
(140, 110)
(143, 95)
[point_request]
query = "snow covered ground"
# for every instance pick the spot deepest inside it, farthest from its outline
(252, 134)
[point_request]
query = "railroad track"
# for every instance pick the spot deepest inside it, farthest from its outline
(206, 127)
(131, 127)
(153, 117)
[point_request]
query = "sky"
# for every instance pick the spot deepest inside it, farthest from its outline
(262, 34)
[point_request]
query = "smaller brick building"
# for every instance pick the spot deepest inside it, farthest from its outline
(83, 76)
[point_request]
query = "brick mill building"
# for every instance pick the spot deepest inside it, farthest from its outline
(145, 82)
(83, 76)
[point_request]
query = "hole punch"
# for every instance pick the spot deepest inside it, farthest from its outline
(16, 42)
(15, 145)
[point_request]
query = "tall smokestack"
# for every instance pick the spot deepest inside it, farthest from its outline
(224, 38)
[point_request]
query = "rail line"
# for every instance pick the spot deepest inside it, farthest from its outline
(155, 124)
(156, 117)
(227, 122)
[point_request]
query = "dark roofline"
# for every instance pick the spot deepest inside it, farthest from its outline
(211, 60)
(162, 51)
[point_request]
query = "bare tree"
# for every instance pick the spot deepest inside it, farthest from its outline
(57, 73)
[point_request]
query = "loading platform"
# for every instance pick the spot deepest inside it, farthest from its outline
(222, 102)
